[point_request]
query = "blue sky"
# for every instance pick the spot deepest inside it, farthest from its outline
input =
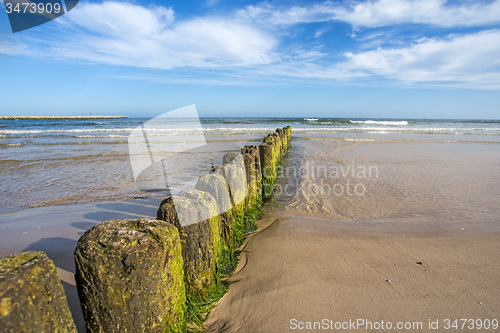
(385, 58)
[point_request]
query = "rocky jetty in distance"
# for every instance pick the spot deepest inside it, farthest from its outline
(6, 117)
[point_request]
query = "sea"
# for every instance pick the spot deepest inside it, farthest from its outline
(67, 161)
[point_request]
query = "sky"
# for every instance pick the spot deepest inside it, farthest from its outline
(368, 59)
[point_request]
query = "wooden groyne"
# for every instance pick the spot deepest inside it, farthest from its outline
(150, 275)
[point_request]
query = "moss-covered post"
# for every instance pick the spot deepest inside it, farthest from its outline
(273, 147)
(253, 202)
(269, 163)
(276, 140)
(32, 297)
(130, 277)
(288, 136)
(195, 214)
(282, 139)
(233, 171)
(216, 185)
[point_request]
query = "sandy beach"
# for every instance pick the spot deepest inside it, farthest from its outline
(56, 230)
(313, 269)
(374, 230)
(422, 245)
(343, 155)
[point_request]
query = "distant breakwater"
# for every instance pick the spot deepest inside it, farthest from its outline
(58, 117)
(153, 275)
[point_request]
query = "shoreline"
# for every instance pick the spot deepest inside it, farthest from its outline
(422, 244)
(55, 230)
(425, 255)
(7, 117)
(310, 269)
(356, 241)
(87, 201)
(28, 231)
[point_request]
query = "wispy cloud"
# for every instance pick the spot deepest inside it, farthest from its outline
(131, 35)
(380, 13)
(320, 32)
(435, 12)
(247, 45)
(467, 59)
(11, 48)
(272, 15)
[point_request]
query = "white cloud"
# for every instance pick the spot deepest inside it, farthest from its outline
(266, 13)
(121, 19)
(380, 13)
(126, 34)
(472, 59)
(462, 61)
(239, 48)
(11, 48)
(435, 12)
(320, 32)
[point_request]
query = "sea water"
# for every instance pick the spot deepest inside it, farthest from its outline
(63, 161)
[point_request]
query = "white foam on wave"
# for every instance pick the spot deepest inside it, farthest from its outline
(19, 144)
(75, 130)
(381, 122)
(159, 130)
(100, 136)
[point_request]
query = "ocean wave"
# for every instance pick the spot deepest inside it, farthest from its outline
(487, 129)
(11, 145)
(7, 162)
(240, 129)
(306, 125)
(125, 130)
(479, 121)
(81, 143)
(75, 130)
(396, 130)
(381, 122)
(359, 140)
(100, 136)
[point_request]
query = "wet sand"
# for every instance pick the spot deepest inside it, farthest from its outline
(422, 244)
(337, 257)
(56, 230)
(313, 269)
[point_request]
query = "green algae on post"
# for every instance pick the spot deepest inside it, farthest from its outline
(273, 147)
(130, 277)
(217, 187)
(253, 201)
(200, 240)
(32, 297)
